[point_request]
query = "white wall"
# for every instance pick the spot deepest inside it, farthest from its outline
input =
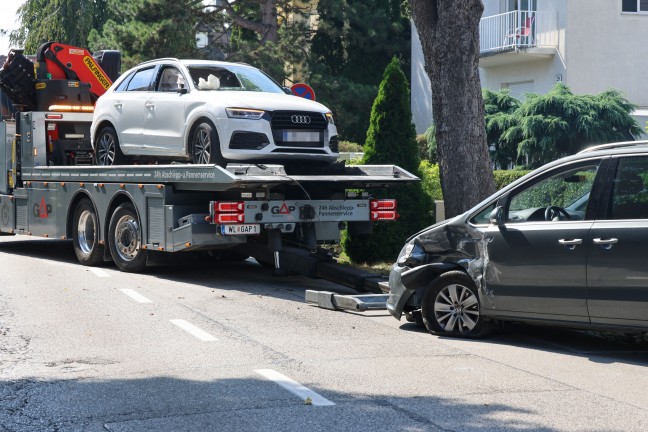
(607, 49)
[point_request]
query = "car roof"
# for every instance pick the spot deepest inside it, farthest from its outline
(193, 62)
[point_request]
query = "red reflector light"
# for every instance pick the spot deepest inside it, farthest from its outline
(384, 204)
(229, 218)
(384, 215)
(54, 116)
(228, 207)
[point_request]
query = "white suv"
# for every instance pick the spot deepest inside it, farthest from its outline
(208, 112)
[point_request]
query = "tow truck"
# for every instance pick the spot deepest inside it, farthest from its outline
(139, 215)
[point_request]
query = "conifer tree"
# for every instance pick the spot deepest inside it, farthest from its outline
(391, 139)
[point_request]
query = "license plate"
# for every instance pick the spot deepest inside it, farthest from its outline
(301, 136)
(241, 229)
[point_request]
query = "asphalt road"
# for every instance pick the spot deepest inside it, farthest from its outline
(227, 347)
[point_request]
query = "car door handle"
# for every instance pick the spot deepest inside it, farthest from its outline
(570, 242)
(610, 241)
(149, 105)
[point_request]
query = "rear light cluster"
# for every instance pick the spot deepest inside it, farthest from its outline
(384, 209)
(228, 212)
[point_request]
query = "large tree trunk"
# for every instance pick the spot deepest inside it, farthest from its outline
(449, 33)
(269, 21)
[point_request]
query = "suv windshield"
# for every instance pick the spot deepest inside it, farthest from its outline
(232, 77)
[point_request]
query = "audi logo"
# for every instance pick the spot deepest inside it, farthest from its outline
(300, 119)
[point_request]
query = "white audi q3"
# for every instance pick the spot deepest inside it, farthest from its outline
(208, 112)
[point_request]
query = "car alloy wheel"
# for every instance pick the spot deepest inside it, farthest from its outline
(451, 307)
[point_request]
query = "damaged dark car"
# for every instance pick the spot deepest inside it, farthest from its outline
(565, 245)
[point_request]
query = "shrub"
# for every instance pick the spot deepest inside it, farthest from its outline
(506, 177)
(351, 147)
(391, 139)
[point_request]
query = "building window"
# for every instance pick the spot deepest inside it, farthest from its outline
(201, 39)
(635, 6)
(519, 89)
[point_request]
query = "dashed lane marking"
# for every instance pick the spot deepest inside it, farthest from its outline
(294, 387)
(99, 273)
(193, 330)
(139, 298)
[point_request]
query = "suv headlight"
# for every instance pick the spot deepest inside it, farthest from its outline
(412, 255)
(329, 117)
(244, 113)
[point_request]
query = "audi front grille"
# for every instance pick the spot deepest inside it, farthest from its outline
(300, 129)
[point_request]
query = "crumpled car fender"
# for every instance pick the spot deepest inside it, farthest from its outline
(419, 277)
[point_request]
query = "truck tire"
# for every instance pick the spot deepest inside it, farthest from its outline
(85, 229)
(451, 307)
(107, 150)
(205, 146)
(125, 239)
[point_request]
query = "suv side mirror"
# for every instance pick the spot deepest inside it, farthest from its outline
(182, 89)
(497, 216)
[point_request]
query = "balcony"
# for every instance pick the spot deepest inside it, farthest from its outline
(517, 36)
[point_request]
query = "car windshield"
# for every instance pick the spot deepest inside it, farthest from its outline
(232, 78)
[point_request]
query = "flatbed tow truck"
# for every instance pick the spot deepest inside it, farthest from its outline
(139, 215)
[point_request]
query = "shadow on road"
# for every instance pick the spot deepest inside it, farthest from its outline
(253, 404)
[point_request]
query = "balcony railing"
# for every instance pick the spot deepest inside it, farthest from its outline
(518, 29)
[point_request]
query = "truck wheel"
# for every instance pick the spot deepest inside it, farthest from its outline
(125, 239)
(451, 307)
(107, 150)
(85, 228)
(205, 146)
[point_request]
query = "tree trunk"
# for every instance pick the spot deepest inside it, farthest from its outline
(269, 21)
(449, 33)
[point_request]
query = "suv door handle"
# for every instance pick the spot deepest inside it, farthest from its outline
(149, 105)
(610, 241)
(570, 242)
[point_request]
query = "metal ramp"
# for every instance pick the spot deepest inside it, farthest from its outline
(359, 303)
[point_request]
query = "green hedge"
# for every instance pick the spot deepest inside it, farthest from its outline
(506, 177)
(431, 181)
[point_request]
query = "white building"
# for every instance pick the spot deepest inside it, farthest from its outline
(529, 45)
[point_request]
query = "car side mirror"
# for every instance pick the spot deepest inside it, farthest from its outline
(287, 90)
(182, 89)
(497, 216)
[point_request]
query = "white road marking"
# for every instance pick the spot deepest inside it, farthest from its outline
(193, 330)
(99, 273)
(139, 298)
(294, 387)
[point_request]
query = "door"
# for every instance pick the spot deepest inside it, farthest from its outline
(617, 268)
(166, 115)
(128, 110)
(537, 258)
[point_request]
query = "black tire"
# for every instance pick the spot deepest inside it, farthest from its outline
(85, 234)
(451, 307)
(205, 146)
(107, 150)
(125, 239)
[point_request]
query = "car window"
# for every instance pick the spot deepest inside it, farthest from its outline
(233, 78)
(141, 81)
(565, 193)
(483, 217)
(629, 196)
(122, 85)
(171, 80)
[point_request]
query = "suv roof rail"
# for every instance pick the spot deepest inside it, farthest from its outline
(613, 146)
(158, 59)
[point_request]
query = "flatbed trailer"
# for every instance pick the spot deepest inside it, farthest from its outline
(135, 214)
